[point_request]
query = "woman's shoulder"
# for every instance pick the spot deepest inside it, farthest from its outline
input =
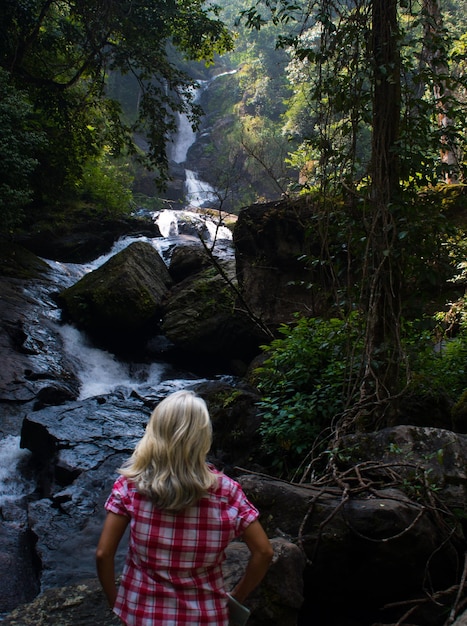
(123, 485)
(224, 483)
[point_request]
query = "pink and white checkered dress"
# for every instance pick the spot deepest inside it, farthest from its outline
(173, 574)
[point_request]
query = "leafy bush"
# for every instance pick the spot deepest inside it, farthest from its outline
(306, 380)
(439, 364)
(107, 185)
(18, 142)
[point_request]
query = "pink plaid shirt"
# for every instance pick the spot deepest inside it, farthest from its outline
(173, 571)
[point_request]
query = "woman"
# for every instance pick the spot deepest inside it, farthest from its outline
(182, 514)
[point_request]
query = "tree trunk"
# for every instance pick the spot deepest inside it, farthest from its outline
(431, 55)
(382, 303)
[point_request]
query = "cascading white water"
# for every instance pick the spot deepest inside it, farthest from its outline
(174, 223)
(13, 485)
(199, 193)
(185, 136)
(101, 373)
(167, 221)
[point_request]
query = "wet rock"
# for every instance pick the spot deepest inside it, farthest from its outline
(77, 449)
(122, 299)
(67, 440)
(31, 347)
(201, 318)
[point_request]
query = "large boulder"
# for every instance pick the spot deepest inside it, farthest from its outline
(122, 299)
(278, 257)
(202, 321)
(368, 549)
(76, 450)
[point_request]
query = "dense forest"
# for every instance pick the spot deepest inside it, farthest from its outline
(359, 104)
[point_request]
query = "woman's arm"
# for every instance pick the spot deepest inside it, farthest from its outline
(260, 559)
(112, 533)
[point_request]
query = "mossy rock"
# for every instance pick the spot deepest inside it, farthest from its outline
(122, 298)
(18, 262)
(201, 317)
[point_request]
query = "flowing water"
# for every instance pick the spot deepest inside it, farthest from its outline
(13, 484)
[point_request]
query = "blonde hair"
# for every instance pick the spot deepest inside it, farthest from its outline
(169, 462)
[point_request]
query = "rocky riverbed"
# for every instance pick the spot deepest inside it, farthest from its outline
(359, 552)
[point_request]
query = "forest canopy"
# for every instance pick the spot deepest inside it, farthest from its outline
(58, 56)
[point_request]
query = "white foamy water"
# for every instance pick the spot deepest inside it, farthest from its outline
(198, 192)
(100, 372)
(12, 484)
(167, 221)
(173, 222)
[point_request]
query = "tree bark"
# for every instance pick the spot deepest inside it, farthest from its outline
(382, 303)
(433, 32)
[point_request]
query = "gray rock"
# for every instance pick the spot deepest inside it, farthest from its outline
(77, 449)
(201, 317)
(122, 299)
(31, 348)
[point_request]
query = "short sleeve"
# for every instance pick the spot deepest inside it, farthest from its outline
(246, 512)
(120, 501)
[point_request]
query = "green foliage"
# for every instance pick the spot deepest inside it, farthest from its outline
(305, 382)
(107, 185)
(18, 142)
(440, 366)
(60, 55)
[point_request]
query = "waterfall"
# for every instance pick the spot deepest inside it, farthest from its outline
(13, 485)
(185, 136)
(100, 372)
(199, 193)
